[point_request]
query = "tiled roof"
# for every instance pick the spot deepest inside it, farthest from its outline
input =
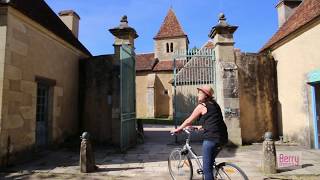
(307, 11)
(167, 65)
(145, 62)
(164, 66)
(170, 27)
(209, 45)
(40, 12)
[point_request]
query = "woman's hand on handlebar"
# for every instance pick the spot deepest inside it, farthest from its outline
(192, 128)
(175, 131)
(199, 128)
(188, 128)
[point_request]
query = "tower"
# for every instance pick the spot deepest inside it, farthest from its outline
(170, 38)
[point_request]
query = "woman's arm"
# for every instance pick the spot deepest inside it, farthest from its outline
(195, 114)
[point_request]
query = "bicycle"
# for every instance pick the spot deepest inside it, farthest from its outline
(180, 165)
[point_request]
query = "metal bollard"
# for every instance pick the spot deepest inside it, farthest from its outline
(269, 164)
(87, 161)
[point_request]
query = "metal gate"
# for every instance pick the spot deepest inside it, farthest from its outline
(192, 69)
(127, 97)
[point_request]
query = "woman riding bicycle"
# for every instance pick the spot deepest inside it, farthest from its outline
(215, 130)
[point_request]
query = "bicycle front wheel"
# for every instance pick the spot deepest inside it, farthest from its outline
(180, 166)
(228, 171)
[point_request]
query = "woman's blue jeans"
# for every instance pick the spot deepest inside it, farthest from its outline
(209, 153)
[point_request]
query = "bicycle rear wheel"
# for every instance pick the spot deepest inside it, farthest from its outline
(227, 171)
(180, 166)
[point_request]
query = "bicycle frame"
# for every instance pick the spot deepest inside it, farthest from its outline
(188, 152)
(189, 149)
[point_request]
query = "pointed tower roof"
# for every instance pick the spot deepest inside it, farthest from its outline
(170, 27)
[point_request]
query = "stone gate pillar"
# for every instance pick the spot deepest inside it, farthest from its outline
(227, 77)
(123, 35)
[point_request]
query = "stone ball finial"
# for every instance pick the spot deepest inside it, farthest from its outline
(124, 19)
(85, 136)
(222, 16)
(268, 136)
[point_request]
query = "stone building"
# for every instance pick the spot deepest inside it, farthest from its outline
(155, 70)
(295, 48)
(52, 88)
(39, 76)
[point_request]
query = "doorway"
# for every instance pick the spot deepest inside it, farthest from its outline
(316, 107)
(42, 116)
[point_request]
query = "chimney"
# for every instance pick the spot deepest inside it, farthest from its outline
(71, 20)
(285, 9)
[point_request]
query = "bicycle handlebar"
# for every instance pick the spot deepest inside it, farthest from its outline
(187, 130)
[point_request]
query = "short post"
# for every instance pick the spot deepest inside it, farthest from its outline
(87, 162)
(269, 164)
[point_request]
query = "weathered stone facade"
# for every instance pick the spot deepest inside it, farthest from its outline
(96, 96)
(258, 96)
(227, 84)
(230, 100)
(28, 59)
(154, 92)
(295, 48)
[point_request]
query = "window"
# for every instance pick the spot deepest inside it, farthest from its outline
(167, 47)
(171, 47)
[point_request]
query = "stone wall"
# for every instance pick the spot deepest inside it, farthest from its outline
(154, 94)
(3, 34)
(96, 97)
(164, 94)
(142, 94)
(258, 98)
(227, 96)
(33, 53)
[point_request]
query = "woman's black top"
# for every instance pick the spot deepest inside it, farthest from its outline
(213, 124)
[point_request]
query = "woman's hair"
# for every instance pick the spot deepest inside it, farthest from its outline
(207, 99)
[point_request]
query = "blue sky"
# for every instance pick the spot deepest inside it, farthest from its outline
(257, 20)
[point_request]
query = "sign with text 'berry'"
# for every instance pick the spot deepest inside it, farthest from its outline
(289, 159)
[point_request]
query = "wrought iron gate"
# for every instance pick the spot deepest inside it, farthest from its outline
(127, 98)
(192, 69)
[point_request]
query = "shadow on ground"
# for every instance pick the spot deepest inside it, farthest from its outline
(154, 151)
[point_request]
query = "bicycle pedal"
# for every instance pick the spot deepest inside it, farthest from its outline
(200, 171)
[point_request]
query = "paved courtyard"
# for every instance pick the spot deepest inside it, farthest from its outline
(149, 161)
